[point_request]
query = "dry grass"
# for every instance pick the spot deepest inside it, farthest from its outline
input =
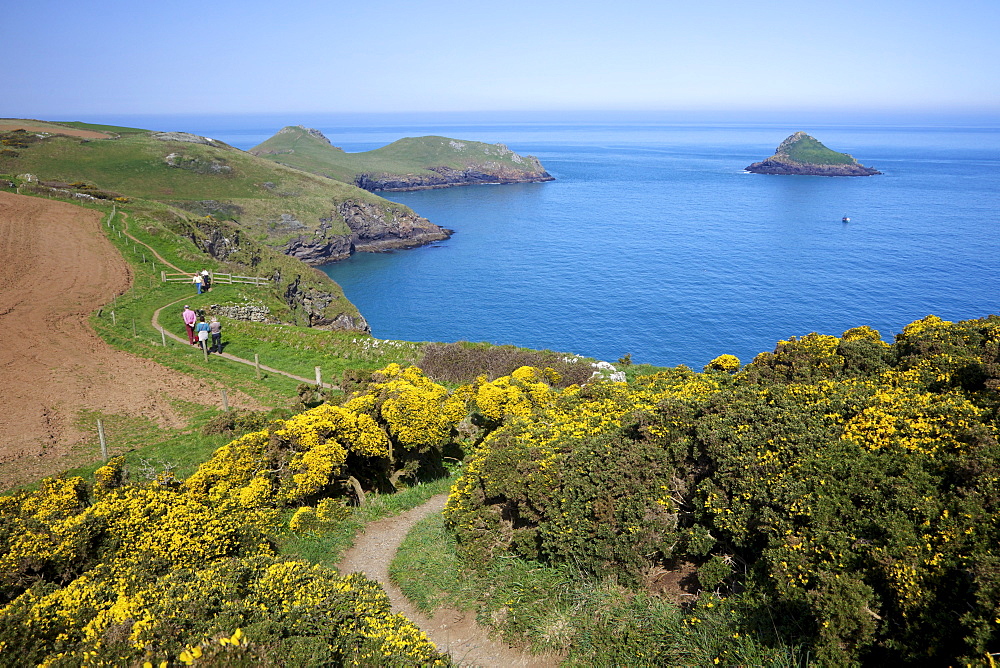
(464, 362)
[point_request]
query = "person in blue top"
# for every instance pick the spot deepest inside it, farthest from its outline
(202, 330)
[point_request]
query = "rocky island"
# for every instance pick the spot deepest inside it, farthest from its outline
(803, 155)
(411, 163)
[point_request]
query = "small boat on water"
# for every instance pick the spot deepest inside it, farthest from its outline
(845, 219)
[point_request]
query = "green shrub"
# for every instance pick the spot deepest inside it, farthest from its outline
(464, 362)
(842, 493)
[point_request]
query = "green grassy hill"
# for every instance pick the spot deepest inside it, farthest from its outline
(167, 185)
(418, 161)
(803, 148)
(286, 208)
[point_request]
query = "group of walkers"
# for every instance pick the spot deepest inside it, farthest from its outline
(198, 330)
(202, 281)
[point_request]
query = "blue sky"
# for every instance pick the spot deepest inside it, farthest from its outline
(223, 56)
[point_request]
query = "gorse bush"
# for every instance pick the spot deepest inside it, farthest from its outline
(840, 493)
(115, 573)
(398, 428)
(838, 496)
(148, 571)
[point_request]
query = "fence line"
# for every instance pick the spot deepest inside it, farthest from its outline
(214, 278)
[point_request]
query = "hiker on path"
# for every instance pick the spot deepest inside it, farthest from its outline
(206, 280)
(202, 329)
(215, 328)
(198, 281)
(189, 317)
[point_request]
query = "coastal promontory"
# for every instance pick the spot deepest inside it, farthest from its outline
(803, 155)
(411, 163)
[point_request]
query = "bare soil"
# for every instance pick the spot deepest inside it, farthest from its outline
(56, 268)
(9, 124)
(453, 631)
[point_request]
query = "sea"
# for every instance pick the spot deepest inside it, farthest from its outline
(654, 242)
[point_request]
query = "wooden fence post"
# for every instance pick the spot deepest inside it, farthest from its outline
(225, 401)
(256, 363)
(104, 443)
(319, 378)
(114, 320)
(163, 337)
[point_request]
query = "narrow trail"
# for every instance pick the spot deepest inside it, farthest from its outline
(63, 367)
(453, 631)
(233, 358)
(156, 315)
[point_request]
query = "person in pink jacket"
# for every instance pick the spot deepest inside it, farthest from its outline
(189, 319)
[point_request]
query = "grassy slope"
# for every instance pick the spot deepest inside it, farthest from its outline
(412, 155)
(295, 349)
(807, 149)
(136, 165)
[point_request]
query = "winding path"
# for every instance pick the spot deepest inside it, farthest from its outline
(56, 268)
(453, 631)
(156, 314)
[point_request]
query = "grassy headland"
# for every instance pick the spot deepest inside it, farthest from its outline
(417, 161)
(287, 209)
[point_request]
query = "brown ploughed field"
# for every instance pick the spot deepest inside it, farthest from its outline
(56, 268)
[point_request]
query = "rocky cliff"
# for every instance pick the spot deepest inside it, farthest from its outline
(446, 177)
(373, 229)
(802, 155)
(309, 296)
(378, 229)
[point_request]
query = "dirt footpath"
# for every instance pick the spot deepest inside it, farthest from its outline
(453, 631)
(56, 267)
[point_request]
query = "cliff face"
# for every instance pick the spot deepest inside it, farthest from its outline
(319, 246)
(378, 229)
(373, 229)
(803, 155)
(779, 165)
(446, 177)
(316, 304)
